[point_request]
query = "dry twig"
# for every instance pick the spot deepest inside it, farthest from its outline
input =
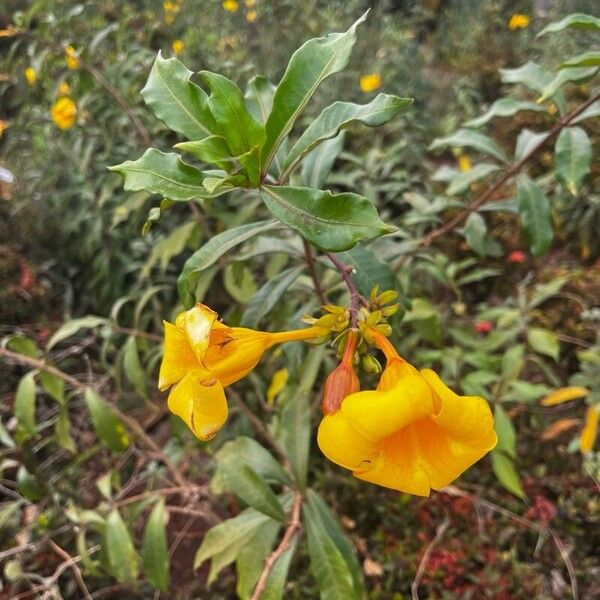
(439, 534)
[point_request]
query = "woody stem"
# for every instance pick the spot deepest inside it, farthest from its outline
(355, 297)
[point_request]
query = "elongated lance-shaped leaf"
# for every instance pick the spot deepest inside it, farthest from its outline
(536, 216)
(239, 128)
(565, 76)
(587, 59)
(317, 164)
(470, 139)
(573, 156)
(212, 149)
(163, 173)
(180, 104)
(575, 20)
(505, 107)
(331, 222)
(314, 61)
(259, 98)
(338, 116)
(208, 255)
(155, 552)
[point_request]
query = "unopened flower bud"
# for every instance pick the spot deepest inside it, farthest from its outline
(341, 382)
(370, 364)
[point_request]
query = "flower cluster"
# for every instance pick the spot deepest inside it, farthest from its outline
(412, 433)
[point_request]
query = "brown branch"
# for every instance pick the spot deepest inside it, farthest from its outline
(310, 262)
(439, 534)
(292, 528)
(355, 297)
(76, 571)
(129, 421)
(137, 333)
(542, 529)
(510, 172)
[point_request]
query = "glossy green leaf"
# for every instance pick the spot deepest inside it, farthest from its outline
(259, 98)
(313, 62)
(331, 222)
(544, 341)
(573, 157)
(527, 141)
(108, 426)
(71, 327)
(565, 76)
(133, 367)
(591, 111)
(505, 107)
(275, 587)
(249, 487)
(317, 164)
(122, 557)
(208, 255)
(24, 406)
(180, 104)
(155, 551)
(163, 173)
(477, 237)
(212, 149)
(341, 115)
(575, 20)
(29, 486)
(506, 473)
(239, 281)
(327, 563)
(536, 217)
(269, 296)
(369, 270)
(467, 138)
(587, 59)
(463, 181)
(507, 438)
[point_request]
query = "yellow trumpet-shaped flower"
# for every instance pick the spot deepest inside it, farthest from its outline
(30, 75)
(63, 112)
(412, 434)
(202, 356)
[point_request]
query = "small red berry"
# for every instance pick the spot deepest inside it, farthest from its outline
(516, 256)
(483, 327)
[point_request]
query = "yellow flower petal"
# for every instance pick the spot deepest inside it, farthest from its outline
(251, 16)
(277, 385)
(178, 358)
(564, 394)
(589, 432)
(464, 163)
(71, 58)
(63, 112)
(197, 323)
(177, 46)
(379, 414)
(345, 445)
(370, 82)
(230, 5)
(518, 21)
(200, 403)
(465, 418)
(30, 75)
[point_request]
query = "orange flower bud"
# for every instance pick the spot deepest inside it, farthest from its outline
(341, 382)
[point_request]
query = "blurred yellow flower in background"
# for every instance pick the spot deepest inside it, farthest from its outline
(71, 58)
(64, 89)
(3, 126)
(230, 5)
(251, 16)
(170, 9)
(464, 163)
(370, 82)
(30, 75)
(250, 3)
(518, 21)
(63, 112)
(587, 439)
(177, 46)
(277, 385)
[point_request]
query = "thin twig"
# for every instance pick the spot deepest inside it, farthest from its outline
(355, 297)
(542, 530)
(310, 262)
(439, 534)
(76, 571)
(291, 530)
(129, 421)
(137, 333)
(510, 172)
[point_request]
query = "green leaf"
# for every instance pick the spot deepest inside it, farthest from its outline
(259, 98)
(317, 164)
(180, 104)
(314, 61)
(587, 59)
(269, 296)
(155, 551)
(72, 327)
(29, 486)
(591, 111)
(168, 247)
(470, 139)
(327, 563)
(122, 557)
(133, 367)
(62, 431)
(251, 488)
(331, 222)
(24, 406)
(341, 115)
(544, 341)
(507, 437)
(573, 156)
(274, 588)
(576, 21)
(239, 281)
(463, 181)
(527, 141)
(512, 362)
(22, 344)
(565, 76)
(506, 473)
(321, 512)
(505, 107)
(476, 234)
(536, 217)
(212, 149)
(108, 426)
(224, 542)
(165, 174)
(369, 270)
(251, 559)
(208, 255)
(53, 385)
